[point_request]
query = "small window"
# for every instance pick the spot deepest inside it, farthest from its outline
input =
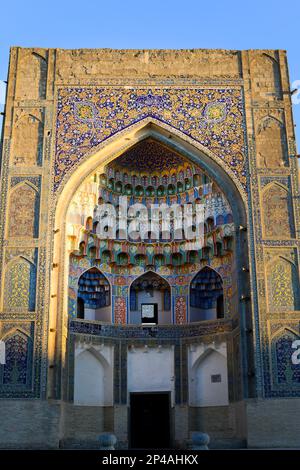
(216, 378)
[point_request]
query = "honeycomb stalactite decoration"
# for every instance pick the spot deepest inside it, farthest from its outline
(121, 257)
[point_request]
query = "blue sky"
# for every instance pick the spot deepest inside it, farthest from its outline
(160, 24)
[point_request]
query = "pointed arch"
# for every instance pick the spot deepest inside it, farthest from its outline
(96, 353)
(265, 58)
(283, 285)
(23, 115)
(19, 257)
(23, 182)
(285, 373)
(276, 214)
(268, 120)
(274, 183)
(92, 378)
(271, 143)
(150, 288)
(94, 295)
(206, 295)
(150, 271)
(13, 331)
(271, 262)
(208, 379)
(32, 66)
(122, 141)
(28, 140)
(264, 65)
(278, 333)
(23, 211)
(38, 56)
(19, 285)
(114, 146)
(204, 355)
(17, 370)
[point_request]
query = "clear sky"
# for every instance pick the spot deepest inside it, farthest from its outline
(230, 24)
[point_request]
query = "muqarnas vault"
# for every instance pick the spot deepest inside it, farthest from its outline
(150, 339)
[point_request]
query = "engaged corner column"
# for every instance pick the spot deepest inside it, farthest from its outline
(121, 424)
(181, 418)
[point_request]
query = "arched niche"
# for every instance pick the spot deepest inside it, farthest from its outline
(283, 285)
(94, 296)
(208, 377)
(28, 140)
(277, 220)
(266, 77)
(206, 296)
(19, 286)
(23, 211)
(286, 374)
(108, 151)
(93, 377)
(33, 66)
(17, 370)
(153, 290)
(271, 145)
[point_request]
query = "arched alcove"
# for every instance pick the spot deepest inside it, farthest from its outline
(24, 211)
(28, 140)
(94, 296)
(271, 144)
(276, 214)
(208, 378)
(115, 146)
(150, 300)
(19, 285)
(33, 68)
(282, 285)
(206, 296)
(286, 374)
(92, 379)
(17, 370)
(265, 71)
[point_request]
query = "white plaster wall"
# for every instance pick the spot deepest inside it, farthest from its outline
(205, 361)
(151, 370)
(93, 375)
(200, 314)
(100, 314)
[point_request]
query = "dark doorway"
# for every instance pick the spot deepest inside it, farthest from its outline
(220, 307)
(149, 420)
(80, 308)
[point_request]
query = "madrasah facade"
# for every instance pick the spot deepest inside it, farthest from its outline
(147, 333)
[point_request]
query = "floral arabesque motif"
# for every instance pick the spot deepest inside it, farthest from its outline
(88, 116)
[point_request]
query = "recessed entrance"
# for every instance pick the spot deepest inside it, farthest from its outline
(150, 420)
